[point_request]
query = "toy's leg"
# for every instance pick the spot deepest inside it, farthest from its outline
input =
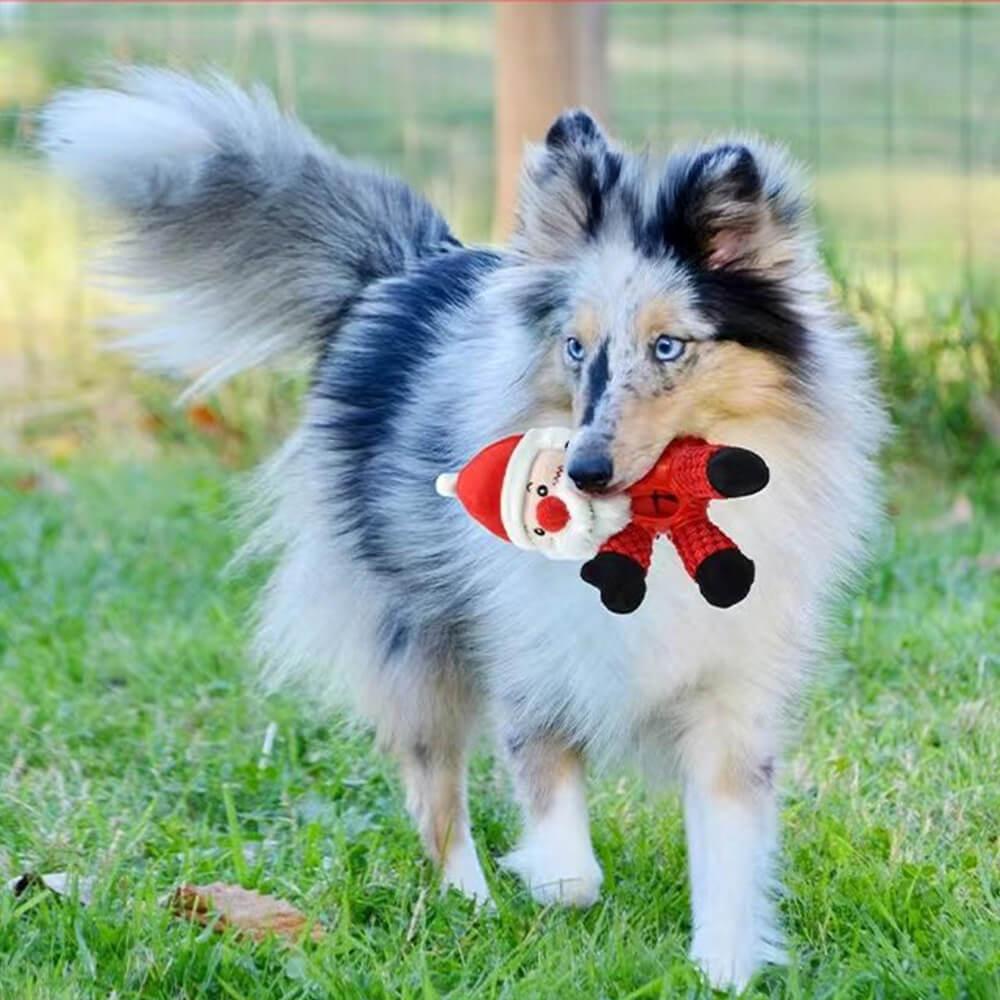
(427, 722)
(704, 471)
(730, 817)
(554, 857)
(723, 574)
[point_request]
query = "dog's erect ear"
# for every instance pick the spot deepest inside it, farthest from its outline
(565, 185)
(731, 206)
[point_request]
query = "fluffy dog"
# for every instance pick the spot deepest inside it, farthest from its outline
(639, 299)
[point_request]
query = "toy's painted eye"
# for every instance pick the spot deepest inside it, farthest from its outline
(575, 351)
(529, 485)
(538, 531)
(667, 348)
(543, 491)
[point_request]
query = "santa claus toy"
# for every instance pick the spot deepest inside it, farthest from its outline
(516, 488)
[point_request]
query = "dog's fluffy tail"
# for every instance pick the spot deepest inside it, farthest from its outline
(251, 237)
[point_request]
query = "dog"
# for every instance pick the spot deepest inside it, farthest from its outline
(638, 299)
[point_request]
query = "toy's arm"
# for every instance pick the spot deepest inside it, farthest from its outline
(723, 574)
(619, 569)
(698, 470)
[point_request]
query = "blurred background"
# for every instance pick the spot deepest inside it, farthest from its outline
(894, 108)
(136, 749)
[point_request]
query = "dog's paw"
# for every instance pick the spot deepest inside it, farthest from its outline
(463, 873)
(729, 962)
(572, 878)
(723, 970)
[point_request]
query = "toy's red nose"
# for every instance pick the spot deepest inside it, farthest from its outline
(552, 514)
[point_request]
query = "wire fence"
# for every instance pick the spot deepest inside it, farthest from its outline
(893, 108)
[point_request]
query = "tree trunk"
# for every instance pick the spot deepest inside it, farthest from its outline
(549, 56)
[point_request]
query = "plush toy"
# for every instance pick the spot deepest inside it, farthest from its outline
(517, 489)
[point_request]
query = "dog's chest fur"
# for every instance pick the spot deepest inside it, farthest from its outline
(603, 676)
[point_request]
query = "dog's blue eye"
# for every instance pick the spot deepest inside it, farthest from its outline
(668, 348)
(574, 350)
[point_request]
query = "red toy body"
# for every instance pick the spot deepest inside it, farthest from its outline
(672, 499)
(516, 489)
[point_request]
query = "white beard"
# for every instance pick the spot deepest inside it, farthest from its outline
(591, 523)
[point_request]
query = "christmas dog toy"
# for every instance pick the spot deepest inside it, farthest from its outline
(516, 488)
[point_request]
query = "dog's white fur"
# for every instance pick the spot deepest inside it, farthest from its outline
(689, 689)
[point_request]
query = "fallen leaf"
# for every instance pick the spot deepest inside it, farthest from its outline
(989, 561)
(45, 481)
(26, 484)
(60, 883)
(256, 915)
(206, 420)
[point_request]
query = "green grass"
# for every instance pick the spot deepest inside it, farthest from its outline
(133, 728)
(131, 720)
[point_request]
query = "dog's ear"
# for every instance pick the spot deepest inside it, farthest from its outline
(565, 184)
(732, 206)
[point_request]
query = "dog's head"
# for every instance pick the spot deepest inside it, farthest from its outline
(670, 294)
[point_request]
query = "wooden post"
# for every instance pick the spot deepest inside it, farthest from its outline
(549, 56)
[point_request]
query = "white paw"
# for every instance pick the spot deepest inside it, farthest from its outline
(464, 873)
(572, 878)
(723, 970)
(729, 961)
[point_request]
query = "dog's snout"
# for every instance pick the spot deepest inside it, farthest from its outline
(591, 472)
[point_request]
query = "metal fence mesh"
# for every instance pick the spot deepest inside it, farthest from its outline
(894, 109)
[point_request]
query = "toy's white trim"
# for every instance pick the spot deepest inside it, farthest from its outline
(516, 476)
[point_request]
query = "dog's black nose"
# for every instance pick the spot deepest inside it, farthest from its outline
(591, 473)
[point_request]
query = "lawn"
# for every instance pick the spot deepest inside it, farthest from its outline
(135, 731)
(134, 754)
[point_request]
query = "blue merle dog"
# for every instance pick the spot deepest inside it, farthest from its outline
(692, 281)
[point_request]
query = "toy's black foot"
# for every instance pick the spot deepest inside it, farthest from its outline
(737, 472)
(725, 577)
(620, 580)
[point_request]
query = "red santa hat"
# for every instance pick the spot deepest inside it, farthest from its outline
(493, 485)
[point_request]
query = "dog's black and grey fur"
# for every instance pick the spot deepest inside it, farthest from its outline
(255, 240)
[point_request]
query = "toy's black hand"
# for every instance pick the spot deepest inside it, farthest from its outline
(725, 577)
(621, 581)
(737, 472)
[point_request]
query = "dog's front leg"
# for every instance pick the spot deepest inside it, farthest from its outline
(730, 817)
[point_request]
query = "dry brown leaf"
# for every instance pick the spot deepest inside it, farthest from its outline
(205, 419)
(45, 481)
(26, 484)
(61, 883)
(208, 421)
(249, 912)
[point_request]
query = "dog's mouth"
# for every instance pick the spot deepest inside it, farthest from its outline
(589, 450)
(621, 484)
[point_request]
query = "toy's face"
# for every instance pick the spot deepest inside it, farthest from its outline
(564, 523)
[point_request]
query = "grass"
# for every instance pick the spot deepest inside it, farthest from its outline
(133, 750)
